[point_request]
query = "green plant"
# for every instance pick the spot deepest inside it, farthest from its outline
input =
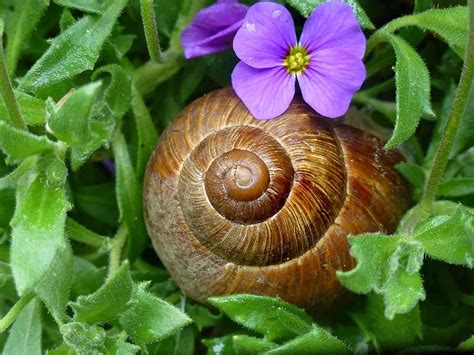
(76, 268)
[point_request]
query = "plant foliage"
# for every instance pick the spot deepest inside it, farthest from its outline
(77, 271)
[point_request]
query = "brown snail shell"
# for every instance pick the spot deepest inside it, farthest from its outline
(238, 205)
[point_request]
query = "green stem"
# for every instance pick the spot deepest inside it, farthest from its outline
(151, 31)
(8, 95)
(116, 252)
(454, 119)
(380, 36)
(10, 317)
(81, 234)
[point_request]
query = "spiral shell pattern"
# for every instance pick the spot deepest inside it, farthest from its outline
(238, 205)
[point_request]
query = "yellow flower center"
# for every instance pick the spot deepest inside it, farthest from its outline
(297, 60)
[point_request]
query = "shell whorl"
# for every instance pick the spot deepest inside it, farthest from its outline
(235, 204)
(298, 189)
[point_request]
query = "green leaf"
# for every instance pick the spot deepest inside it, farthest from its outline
(82, 337)
(55, 285)
(244, 344)
(38, 226)
(20, 25)
(86, 277)
(467, 345)
(388, 265)
(108, 302)
(220, 346)
(25, 334)
(146, 132)
(403, 287)
(63, 349)
(11, 180)
(118, 92)
(370, 251)
(202, 316)
(71, 122)
(306, 7)
(66, 20)
(152, 74)
(413, 173)
(422, 5)
(412, 81)
(456, 187)
(450, 24)
(84, 121)
(400, 332)
(73, 51)
(117, 346)
(18, 144)
(92, 6)
(465, 134)
(280, 320)
(5, 273)
(121, 44)
(98, 202)
(151, 319)
(32, 108)
(129, 192)
(316, 341)
(450, 238)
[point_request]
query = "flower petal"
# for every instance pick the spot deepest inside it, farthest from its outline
(265, 38)
(333, 25)
(330, 81)
(266, 92)
(213, 29)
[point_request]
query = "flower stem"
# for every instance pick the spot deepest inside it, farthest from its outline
(8, 95)
(151, 31)
(83, 235)
(116, 252)
(10, 317)
(454, 119)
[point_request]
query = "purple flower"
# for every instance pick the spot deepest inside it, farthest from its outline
(213, 28)
(327, 61)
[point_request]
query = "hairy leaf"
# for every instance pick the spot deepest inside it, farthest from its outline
(220, 346)
(92, 6)
(32, 108)
(129, 191)
(55, 285)
(387, 265)
(108, 302)
(25, 334)
(450, 238)
(280, 320)
(315, 341)
(23, 21)
(403, 330)
(83, 338)
(244, 344)
(71, 122)
(456, 187)
(18, 144)
(412, 81)
(73, 51)
(146, 132)
(151, 319)
(450, 24)
(118, 92)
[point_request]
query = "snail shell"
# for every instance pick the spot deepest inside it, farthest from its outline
(238, 205)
